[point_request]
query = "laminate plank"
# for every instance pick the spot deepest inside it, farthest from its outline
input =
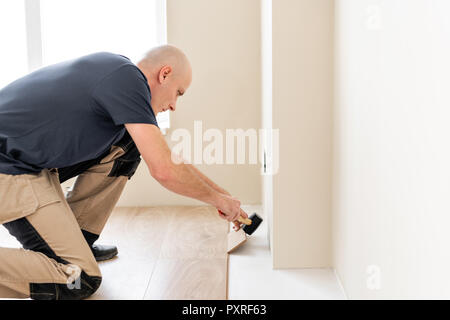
(236, 239)
(193, 263)
(196, 233)
(183, 279)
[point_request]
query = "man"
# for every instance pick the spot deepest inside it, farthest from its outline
(93, 118)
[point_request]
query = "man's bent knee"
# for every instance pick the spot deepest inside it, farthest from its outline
(81, 288)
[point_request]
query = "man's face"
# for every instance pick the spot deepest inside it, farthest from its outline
(168, 88)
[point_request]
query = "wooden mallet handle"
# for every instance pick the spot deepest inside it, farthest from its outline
(241, 219)
(245, 221)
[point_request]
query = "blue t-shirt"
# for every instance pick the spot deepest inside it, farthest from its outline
(70, 112)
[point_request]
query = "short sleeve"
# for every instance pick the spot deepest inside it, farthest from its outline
(124, 96)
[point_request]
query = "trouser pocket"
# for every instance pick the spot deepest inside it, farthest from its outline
(127, 163)
(21, 195)
(125, 166)
(17, 198)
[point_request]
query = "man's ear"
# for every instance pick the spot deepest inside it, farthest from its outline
(164, 73)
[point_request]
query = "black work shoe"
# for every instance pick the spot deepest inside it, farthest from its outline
(103, 252)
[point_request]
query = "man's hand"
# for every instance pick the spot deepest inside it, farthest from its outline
(234, 219)
(237, 224)
(229, 207)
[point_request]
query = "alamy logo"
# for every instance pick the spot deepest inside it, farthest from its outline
(373, 281)
(374, 18)
(236, 146)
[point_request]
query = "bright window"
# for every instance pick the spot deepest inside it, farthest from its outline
(72, 28)
(35, 33)
(13, 51)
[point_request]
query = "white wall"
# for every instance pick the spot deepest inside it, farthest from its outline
(392, 150)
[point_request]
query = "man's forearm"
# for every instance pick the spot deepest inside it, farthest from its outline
(215, 187)
(175, 177)
(208, 181)
(184, 181)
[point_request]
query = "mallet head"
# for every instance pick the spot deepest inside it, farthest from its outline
(256, 221)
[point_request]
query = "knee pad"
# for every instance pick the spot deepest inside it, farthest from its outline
(81, 288)
(127, 164)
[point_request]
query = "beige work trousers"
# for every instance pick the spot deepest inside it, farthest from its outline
(64, 266)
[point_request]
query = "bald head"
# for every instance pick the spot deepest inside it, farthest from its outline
(169, 74)
(169, 55)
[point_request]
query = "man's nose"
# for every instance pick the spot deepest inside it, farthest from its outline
(172, 107)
